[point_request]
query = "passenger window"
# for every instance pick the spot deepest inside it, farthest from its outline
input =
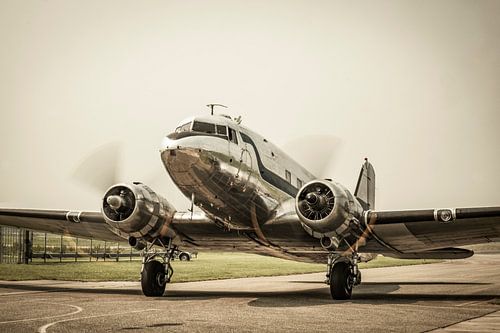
(221, 130)
(202, 127)
(299, 183)
(232, 135)
(288, 176)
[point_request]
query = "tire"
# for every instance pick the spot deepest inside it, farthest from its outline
(153, 279)
(184, 257)
(341, 281)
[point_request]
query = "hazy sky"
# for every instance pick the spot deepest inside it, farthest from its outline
(413, 85)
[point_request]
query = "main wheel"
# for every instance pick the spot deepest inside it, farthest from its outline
(153, 279)
(358, 278)
(341, 281)
(184, 257)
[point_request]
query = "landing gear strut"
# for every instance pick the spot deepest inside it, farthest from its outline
(343, 274)
(156, 270)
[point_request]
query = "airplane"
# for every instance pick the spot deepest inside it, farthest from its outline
(253, 197)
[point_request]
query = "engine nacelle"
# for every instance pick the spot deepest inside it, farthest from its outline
(136, 210)
(326, 208)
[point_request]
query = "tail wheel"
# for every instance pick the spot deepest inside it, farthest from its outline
(342, 281)
(153, 279)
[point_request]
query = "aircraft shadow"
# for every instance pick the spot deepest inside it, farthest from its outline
(367, 293)
(63, 289)
(404, 283)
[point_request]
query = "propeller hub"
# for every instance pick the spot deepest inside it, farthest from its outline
(312, 198)
(115, 201)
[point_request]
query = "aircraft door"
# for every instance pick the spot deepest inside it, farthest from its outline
(240, 156)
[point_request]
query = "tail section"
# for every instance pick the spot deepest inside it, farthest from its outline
(365, 189)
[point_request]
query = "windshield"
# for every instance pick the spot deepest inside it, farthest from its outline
(183, 128)
(199, 126)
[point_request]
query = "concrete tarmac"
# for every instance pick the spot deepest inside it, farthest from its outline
(453, 296)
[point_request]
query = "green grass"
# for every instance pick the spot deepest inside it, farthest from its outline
(208, 266)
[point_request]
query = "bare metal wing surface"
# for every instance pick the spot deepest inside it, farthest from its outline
(252, 197)
(72, 223)
(414, 231)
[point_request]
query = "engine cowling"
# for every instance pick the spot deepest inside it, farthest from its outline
(136, 210)
(326, 208)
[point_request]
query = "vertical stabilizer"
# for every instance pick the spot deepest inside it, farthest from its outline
(365, 189)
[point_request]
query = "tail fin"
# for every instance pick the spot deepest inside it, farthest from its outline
(365, 189)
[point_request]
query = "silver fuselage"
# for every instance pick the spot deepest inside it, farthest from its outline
(241, 184)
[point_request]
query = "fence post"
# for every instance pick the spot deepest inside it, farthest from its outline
(104, 250)
(20, 246)
(90, 254)
(61, 249)
(12, 252)
(117, 252)
(1, 245)
(28, 247)
(45, 249)
(76, 249)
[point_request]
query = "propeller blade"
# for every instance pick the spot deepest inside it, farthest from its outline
(100, 169)
(314, 152)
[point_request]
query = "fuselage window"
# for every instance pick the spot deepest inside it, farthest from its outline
(202, 127)
(221, 129)
(183, 128)
(232, 135)
(299, 183)
(288, 176)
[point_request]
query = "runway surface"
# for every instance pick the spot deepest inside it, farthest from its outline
(452, 296)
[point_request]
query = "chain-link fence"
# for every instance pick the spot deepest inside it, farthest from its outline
(23, 246)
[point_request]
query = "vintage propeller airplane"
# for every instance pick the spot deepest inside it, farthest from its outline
(254, 198)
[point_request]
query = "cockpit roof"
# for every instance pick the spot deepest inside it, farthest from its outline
(216, 119)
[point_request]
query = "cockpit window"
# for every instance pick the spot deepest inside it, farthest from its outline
(232, 136)
(221, 129)
(199, 126)
(183, 128)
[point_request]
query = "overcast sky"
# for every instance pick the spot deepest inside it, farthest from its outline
(413, 85)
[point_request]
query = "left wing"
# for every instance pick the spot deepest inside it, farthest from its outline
(424, 230)
(74, 223)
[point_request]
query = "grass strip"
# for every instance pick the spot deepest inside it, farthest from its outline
(208, 266)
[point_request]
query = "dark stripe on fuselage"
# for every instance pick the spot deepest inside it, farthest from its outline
(267, 174)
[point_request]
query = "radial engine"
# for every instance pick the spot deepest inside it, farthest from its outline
(327, 210)
(137, 211)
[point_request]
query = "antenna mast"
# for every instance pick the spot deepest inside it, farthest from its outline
(211, 106)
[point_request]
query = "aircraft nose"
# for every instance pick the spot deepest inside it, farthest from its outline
(179, 155)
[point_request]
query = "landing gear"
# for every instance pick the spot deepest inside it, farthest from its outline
(343, 274)
(153, 278)
(156, 270)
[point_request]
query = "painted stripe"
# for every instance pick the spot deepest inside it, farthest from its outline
(267, 174)
(43, 329)
(77, 310)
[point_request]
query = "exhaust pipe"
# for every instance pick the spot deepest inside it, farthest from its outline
(137, 244)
